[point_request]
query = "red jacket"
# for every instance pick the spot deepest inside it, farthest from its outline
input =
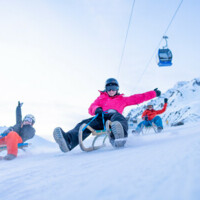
(119, 102)
(152, 113)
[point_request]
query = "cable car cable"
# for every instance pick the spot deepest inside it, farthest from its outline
(147, 65)
(173, 17)
(124, 46)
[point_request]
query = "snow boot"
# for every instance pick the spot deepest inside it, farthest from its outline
(159, 129)
(59, 138)
(9, 157)
(135, 132)
(117, 138)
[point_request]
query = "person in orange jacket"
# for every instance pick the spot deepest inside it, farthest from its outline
(22, 131)
(150, 116)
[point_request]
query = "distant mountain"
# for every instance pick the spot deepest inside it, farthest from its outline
(183, 104)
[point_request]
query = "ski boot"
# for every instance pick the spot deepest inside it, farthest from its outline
(136, 132)
(59, 138)
(117, 138)
(9, 157)
(159, 129)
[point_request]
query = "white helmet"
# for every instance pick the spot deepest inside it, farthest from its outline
(30, 118)
(150, 104)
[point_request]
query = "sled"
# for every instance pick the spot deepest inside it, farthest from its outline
(96, 133)
(22, 146)
(146, 129)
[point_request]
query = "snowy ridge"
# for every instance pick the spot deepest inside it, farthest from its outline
(183, 104)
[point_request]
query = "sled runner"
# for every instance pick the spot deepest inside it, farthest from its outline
(147, 129)
(97, 133)
(20, 146)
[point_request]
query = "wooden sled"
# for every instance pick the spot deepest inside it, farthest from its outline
(97, 133)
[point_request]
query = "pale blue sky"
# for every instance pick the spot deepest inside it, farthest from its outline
(55, 55)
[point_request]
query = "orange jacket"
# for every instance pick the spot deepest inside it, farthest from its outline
(152, 113)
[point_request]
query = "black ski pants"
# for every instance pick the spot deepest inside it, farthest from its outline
(97, 124)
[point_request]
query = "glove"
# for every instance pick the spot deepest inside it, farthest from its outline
(145, 118)
(98, 111)
(20, 104)
(165, 100)
(158, 92)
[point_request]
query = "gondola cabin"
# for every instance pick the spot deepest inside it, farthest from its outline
(165, 57)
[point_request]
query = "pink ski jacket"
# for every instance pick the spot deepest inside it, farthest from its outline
(119, 102)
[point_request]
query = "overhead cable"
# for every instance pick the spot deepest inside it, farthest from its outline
(124, 46)
(148, 63)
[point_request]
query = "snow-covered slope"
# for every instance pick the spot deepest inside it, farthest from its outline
(153, 166)
(158, 166)
(183, 104)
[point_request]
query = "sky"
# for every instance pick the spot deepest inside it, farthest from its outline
(56, 55)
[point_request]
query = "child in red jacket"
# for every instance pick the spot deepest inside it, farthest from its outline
(150, 116)
(113, 103)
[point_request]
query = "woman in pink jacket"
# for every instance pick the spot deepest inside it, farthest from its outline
(112, 104)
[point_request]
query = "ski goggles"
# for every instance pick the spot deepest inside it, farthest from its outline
(112, 87)
(28, 121)
(149, 106)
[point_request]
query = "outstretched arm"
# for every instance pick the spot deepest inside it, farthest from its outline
(139, 98)
(19, 114)
(162, 110)
(17, 126)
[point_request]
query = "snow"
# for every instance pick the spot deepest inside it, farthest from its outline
(152, 166)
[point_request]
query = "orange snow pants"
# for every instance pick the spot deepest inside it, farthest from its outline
(11, 140)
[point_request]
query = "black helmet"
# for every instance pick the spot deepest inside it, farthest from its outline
(112, 84)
